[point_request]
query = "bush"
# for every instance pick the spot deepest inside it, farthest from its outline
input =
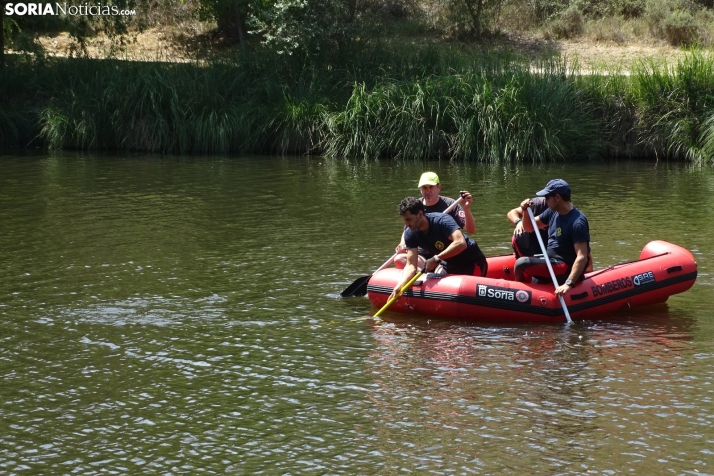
(656, 11)
(545, 9)
(705, 23)
(632, 8)
(609, 29)
(600, 8)
(680, 28)
(569, 25)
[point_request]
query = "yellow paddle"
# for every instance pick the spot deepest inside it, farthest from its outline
(401, 291)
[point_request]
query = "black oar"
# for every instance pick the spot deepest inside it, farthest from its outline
(359, 286)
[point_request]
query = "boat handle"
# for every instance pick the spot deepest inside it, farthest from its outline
(575, 297)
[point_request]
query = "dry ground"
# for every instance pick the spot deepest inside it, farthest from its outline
(151, 45)
(166, 45)
(593, 53)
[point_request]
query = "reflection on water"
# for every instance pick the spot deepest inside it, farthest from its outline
(177, 315)
(601, 396)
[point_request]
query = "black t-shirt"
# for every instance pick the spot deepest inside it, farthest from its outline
(436, 240)
(442, 204)
(539, 205)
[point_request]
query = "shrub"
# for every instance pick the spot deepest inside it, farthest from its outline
(705, 24)
(680, 28)
(600, 8)
(656, 11)
(516, 17)
(632, 8)
(545, 9)
(609, 29)
(569, 25)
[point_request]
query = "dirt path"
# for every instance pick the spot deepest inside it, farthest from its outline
(592, 54)
(160, 45)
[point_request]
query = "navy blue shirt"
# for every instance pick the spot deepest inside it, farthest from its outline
(436, 240)
(566, 230)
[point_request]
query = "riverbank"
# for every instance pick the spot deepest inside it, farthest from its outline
(425, 102)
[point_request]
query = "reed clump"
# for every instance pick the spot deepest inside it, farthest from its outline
(675, 106)
(520, 116)
(375, 102)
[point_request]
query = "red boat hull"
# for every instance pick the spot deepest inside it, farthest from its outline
(663, 269)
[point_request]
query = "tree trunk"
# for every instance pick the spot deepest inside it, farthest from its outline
(475, 14)
(232, 22)
(239, 24)
(351, 10)
(479, 10)
(2, 35)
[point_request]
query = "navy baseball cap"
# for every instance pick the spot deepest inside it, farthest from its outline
(558, 186)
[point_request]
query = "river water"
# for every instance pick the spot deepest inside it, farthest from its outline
(181, 315)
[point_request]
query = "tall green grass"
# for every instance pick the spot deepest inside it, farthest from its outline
(673, 104)
(375, 102)
(18, 127)
(531, 117)
(163, 108)
(520, 116)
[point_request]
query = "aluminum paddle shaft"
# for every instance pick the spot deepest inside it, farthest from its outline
(547, 262)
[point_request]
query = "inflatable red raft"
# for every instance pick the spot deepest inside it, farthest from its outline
(663, 269)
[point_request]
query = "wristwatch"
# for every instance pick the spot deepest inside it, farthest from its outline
(569, 282)
(437, 259)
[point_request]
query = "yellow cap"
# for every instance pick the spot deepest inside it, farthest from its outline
(428, 178)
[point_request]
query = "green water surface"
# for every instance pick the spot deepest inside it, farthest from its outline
(181, 315)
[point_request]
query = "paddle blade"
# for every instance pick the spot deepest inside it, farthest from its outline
(357, 288)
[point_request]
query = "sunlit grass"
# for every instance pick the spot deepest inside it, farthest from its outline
(672, 104)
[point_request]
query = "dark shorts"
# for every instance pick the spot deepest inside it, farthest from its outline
(424, 253)
(526, 244)
(479, 268)
(536, 268)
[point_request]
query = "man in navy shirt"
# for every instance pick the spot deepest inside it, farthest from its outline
(568, 239)
(440, 235)
(430, 188)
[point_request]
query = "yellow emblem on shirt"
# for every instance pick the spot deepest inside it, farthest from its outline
(557, 231)
(439, 245)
